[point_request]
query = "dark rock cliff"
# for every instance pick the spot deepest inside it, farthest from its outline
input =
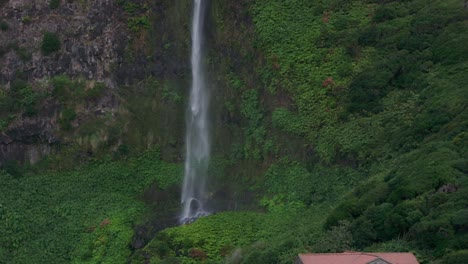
(92, 36)
(134, 51)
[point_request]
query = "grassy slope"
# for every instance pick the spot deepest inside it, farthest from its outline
(60, 217)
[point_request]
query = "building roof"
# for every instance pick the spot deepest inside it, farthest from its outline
(358, 258)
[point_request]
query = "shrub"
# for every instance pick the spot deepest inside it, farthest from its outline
(95, 92)
(448, 48)
(347, 210)
(458, 257)
(54, 4)
(367, 90)
(61, 85)
(4, 26)
(68, 115)
(17, 86)
(26, 19)
(338, 239)
(131, 8)
(138, 23)
(50, 43)
(23, 96)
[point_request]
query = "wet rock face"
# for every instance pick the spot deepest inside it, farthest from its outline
(28, 140)
(93, 37)
(97, 45)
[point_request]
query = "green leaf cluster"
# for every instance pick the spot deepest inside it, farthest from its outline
(50, 43)
(20, 97)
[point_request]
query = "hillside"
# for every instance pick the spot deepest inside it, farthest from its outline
(336, 125)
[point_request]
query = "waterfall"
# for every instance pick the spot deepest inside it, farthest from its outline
(197, 136)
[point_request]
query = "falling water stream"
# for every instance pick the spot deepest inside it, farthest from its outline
(197, 136)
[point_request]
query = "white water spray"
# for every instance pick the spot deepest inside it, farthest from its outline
(197, 138)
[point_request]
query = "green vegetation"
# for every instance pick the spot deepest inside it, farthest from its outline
(74, 96)
(137, 23)
(50, 43)
(84, 215)
(227, 236)
(137, 15)
(375, 86)
(4, 26)
(166, 114)
(66, 90)
(338, 125)
(377, 95)
(73, 92)
(68, 115)
(255, 146)
(19, 98)
(26, 19)
(54, 4)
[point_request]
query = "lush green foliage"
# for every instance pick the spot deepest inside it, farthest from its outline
(19, 98)
(226, 236)
(291, 184)
(84, 215)
(256, 145)
(346, 120)
(369, 90)
(376, 93)
(50, 43)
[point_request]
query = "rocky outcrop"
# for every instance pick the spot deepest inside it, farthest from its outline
(93, 37)
(144, 69)
(28, 139)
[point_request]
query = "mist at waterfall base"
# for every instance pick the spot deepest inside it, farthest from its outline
(197, 159)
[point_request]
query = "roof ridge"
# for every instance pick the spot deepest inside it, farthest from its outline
(371, 254)
(406, 252)
(335, 253)
(358, 257)
(356, 252)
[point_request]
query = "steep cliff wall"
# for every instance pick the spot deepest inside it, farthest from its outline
(77, 73)
(92, 35)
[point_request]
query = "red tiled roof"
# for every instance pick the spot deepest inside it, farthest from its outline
(357, 258)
